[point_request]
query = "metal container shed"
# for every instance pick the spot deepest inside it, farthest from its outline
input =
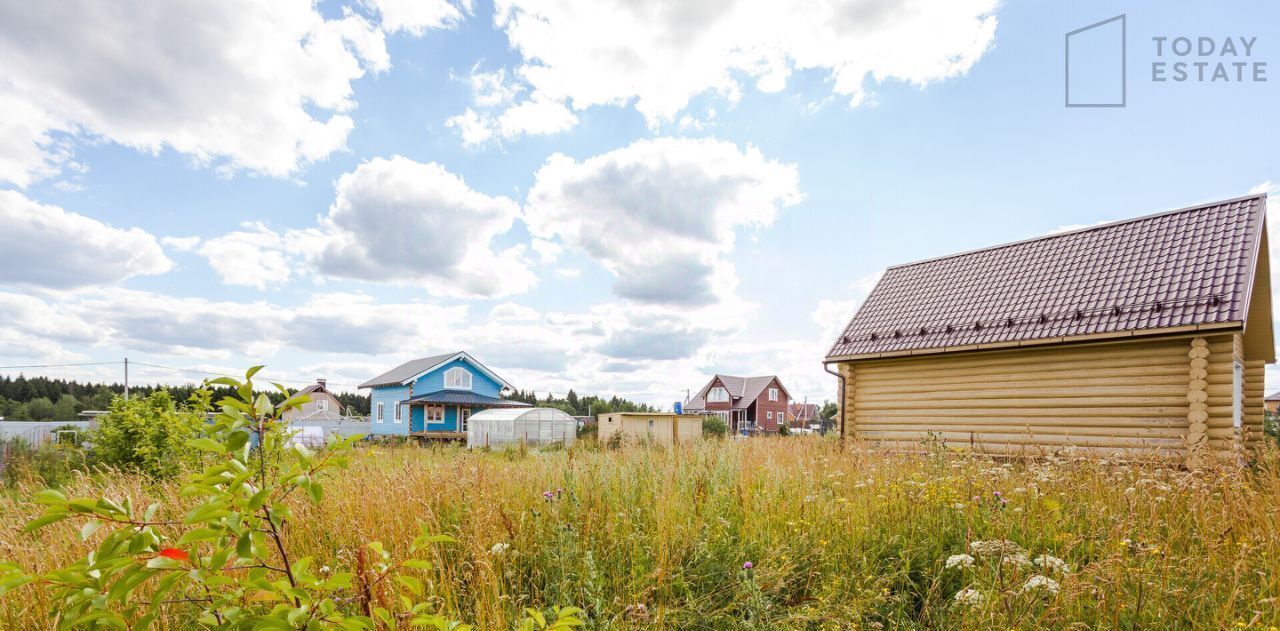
(500, 427)
(658, 427)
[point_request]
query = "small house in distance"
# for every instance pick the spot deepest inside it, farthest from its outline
(658, 427)
(1272, 403)
(747, 404)
(434, 397)
(323, 406)
(803, 415)
(1142, 336)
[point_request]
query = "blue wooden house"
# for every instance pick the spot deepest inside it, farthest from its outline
(433, 397)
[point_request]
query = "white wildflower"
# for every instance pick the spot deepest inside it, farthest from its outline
(959, 560)
(996, 547)
(1039, 581)
(969, 598)
(1017, 560)
(499, 548)
(1053, 564)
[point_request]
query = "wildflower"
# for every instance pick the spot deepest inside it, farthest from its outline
(1041, 582)
(1018, 560)
(969, 598)
(547, 495)
(959, 560)
(748, 565)
(499, 548)
(324, 569)
(1053, 564)
(996, 547)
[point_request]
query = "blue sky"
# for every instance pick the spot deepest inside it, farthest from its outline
(617, 199)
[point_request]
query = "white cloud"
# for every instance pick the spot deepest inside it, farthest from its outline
(181, 244)
(400, 221)
(659, 55)
(660, 214)
(492, 91)
(416, 16)
(256, 256)
(240, 85)
(47, 246)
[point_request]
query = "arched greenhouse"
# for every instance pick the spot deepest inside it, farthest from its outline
(500, 427)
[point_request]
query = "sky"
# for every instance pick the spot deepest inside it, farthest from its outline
(617, 197)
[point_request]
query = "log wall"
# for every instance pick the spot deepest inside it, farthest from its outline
(1135, 397)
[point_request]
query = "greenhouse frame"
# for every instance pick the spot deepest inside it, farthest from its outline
(501, 427)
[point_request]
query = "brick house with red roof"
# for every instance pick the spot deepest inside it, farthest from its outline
(747, 404)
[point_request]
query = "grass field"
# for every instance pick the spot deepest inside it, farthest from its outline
(658, 538)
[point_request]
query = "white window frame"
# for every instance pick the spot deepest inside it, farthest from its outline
(1237, 395)
(773, 394)
(712, 395)
(322, 405)
(397, 418)
(449, 378)
(768, 416)
(378, 417)
(428, 415)
(464, 416)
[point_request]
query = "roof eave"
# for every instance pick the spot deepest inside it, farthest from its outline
(459, 355)
(1045, 341)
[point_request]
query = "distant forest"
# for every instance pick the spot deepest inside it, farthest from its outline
(42, 399)
(576, 405)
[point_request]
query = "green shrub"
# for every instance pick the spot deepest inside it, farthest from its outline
(714, 427)
(51, 465)
(783, 430)
(148, 434)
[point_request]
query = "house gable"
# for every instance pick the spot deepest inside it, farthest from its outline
(482, 381)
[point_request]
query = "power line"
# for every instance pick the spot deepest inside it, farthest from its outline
(223, 374)
(59, 365)
(173, 368)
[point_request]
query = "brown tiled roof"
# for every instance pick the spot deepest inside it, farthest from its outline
(742, 390)
(1183, 267)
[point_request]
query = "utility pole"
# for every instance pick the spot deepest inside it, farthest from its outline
(126, 379)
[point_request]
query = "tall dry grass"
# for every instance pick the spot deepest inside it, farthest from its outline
(647, 537)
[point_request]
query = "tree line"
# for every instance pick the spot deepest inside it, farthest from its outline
(25, 398)
(575, 405)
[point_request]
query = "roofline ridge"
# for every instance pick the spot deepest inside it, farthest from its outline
(1110, 224)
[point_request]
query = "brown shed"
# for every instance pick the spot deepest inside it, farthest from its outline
(1140, 336)
(658, 427)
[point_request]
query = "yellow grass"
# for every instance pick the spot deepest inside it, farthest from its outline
(647, 537)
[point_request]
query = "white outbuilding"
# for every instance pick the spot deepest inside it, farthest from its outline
(500, 427)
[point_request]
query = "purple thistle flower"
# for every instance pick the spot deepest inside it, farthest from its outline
(748, 565)
(547, 495)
